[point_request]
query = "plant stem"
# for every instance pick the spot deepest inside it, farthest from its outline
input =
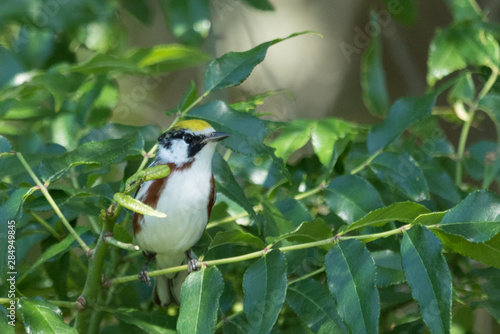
(90, 293)
(311, 274)
(59, 303)
(266, 250)
(366, 162)
(119, 244)
(52, 203)
(227, 220)
(46, 225)
(466, 127)
(228, 319)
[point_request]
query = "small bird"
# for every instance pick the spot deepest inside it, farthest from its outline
(186, 196)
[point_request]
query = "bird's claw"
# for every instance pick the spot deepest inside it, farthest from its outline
(192, 265)
(144, 277)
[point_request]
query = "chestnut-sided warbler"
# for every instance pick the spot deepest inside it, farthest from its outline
(186, 196)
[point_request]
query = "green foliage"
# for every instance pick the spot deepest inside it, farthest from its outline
(367, 229)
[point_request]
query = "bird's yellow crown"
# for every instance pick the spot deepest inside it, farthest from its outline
(192, 124)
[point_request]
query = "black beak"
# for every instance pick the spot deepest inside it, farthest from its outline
(216, 136)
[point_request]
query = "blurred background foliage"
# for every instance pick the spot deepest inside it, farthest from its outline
(74, 72)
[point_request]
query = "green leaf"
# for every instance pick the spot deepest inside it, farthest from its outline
(252, 102)
(476, 218)
(312, 302)
(464, 10)
(325, 135)
(404, 212)
(404, 113)
(264, 285)
(226, 184)
(373, 82)
(464, 89)
(402, 172)
(487, 252)
(294, 136)
(105, 63)
(166, 58)
(247, 133)
(307, 232)
(5, 327)
(491, 106)
(351, 279)
(9, 66)
(137, 206)
(9, 211)
(276, 223)
(140, 320)
(236, 237)
(260, 4)
(101, 153)
(428, 276)
(148, 174)
(459, 46)
(440, 182)
(39, 316)
(4, 145)
(389, 269)
(200, 295)
(351, 197)
(189, 20)
(157, 59)
(432, 218)
(232, 68)
(54, 250)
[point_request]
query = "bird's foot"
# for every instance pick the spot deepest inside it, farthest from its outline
(192, 265)
(143, 275)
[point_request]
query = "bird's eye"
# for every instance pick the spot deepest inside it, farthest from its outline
(188, 138)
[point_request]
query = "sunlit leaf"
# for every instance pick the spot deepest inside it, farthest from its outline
(294, 136)
(458, 46)
(137, 206)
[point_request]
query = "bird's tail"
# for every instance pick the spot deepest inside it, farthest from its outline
(167, 288)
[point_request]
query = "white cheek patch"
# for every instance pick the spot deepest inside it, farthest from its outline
(176, 153)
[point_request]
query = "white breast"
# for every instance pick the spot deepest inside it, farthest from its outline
(184, 201)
